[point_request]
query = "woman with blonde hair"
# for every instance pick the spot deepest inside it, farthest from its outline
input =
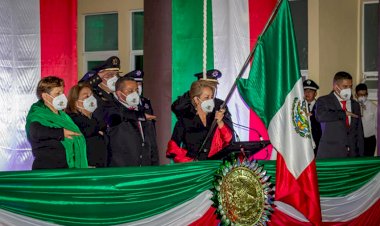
(195, 116)
(80, 107)
(55, 139)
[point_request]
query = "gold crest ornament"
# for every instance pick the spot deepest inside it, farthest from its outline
(115, 62)
(243, 194)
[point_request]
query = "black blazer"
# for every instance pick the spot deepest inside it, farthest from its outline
(48, 151)
(126, 145)
(95, 143)
(337, 140)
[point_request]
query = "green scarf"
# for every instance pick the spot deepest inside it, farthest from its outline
(75, 148)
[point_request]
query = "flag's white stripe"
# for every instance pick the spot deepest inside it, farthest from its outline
(342, 209)
(296, 150)
(231, 48)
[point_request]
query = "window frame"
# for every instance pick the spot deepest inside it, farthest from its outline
(367, 75)
(133, 53)
(305, 73)
(96, 55)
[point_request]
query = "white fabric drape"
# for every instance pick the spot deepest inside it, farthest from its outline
(19, 74)
(334, 209)
(342, 209)
(231, 48)
(12, 219)
(183, 214)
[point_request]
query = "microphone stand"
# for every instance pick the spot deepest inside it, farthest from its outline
(245, 65)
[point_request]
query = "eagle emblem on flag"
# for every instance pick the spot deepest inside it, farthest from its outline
(300, 119)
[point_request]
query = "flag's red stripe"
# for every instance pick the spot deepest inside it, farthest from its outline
(259, 13)
(58, 20)
(301, 193)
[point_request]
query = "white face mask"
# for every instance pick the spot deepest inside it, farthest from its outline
(139, 87)
(111, 83)
(345, 94)
(59, 102)
(89, 104)
(131, 100)
(207, 105)
(362, 99)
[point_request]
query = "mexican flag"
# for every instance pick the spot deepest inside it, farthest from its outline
(274, 90)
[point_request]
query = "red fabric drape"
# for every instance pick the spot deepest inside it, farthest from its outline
(208, 219)
(370, 217)
(259, 13)
(58, 21)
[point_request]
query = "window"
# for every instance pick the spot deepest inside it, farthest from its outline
(300, 23)
(100, 38)
(370, 25)
(137, 40)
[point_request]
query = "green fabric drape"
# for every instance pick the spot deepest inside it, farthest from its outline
(187, 44)
(75, 148)
(119, 195)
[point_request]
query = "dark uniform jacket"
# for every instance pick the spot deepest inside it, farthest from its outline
(95, 142)
(48, 151)
(104, 99)
(315, 129)
(147, 106)
(337, 140)
(189, 132)
(132, 139)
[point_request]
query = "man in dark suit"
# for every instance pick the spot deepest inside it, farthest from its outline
(132, 139)
(339, 115)
(310, 90)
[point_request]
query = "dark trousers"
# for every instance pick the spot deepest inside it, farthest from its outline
(369, 145)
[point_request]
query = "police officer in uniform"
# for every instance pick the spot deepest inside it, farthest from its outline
(102, 80)
(310, 91)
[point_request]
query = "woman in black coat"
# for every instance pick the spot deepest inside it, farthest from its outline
(81, 105)
(196, 112)
(55, 139)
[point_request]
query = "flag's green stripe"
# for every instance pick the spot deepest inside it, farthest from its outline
(274, 70)
(187, 43)
(118, 195)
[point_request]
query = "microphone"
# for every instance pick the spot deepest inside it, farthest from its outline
(249, 128)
